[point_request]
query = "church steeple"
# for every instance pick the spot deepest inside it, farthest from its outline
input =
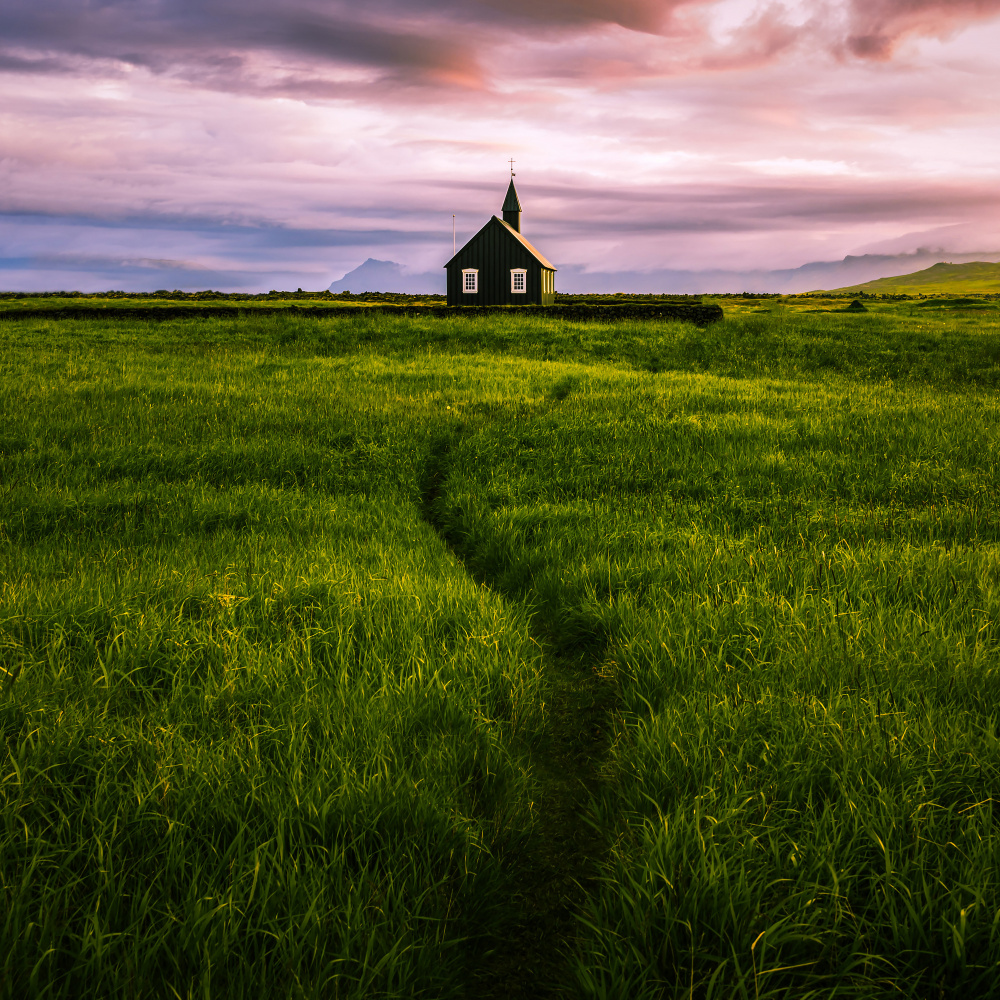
(512, 208)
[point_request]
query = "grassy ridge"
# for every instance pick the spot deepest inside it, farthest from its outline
(264, 733)
(948, 279)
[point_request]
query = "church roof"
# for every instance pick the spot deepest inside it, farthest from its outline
(517, 236)
(527, 246)
(510, 203)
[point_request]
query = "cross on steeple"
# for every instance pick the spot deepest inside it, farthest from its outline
(511, 167)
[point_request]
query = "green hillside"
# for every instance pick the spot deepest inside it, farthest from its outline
(977, 276)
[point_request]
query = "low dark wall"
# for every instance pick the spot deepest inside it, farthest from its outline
(691, 312)
(688, 312)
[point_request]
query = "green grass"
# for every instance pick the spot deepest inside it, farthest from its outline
(331, 647)
(261, 727)
(795, 592)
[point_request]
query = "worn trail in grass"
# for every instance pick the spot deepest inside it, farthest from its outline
(547, 895)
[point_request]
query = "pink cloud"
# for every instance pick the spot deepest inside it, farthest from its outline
(875, 27)
(442, 45)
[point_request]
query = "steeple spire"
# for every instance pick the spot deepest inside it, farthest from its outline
(512, 207)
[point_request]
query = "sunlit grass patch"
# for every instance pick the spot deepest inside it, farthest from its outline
(260, 750)
(263, 732)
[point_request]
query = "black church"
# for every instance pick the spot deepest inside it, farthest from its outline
(498, 266)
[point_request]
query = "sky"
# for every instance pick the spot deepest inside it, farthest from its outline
(246, 146)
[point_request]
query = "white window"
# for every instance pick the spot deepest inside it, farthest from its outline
(518, 280)
(470, 280)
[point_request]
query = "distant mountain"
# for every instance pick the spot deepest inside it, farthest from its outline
(388, 276)
(808, 277)
(975, 276)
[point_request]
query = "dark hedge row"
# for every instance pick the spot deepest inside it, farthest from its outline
(692, 312)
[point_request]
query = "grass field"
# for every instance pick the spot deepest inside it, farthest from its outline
(380, 657)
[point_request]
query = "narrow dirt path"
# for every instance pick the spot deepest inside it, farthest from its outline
(554, 875)
(553, 879)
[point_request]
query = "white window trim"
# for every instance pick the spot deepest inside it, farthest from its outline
(523, 290)
(474, 271)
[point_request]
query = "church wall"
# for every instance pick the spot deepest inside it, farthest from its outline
(494, 252)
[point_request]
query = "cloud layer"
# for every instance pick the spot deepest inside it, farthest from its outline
(331, 46)
(877, 26)
(261, 142)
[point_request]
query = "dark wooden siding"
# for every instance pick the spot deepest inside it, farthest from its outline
(494, 252)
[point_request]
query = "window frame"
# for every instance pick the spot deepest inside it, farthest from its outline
(474, 290)
(514, 272)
